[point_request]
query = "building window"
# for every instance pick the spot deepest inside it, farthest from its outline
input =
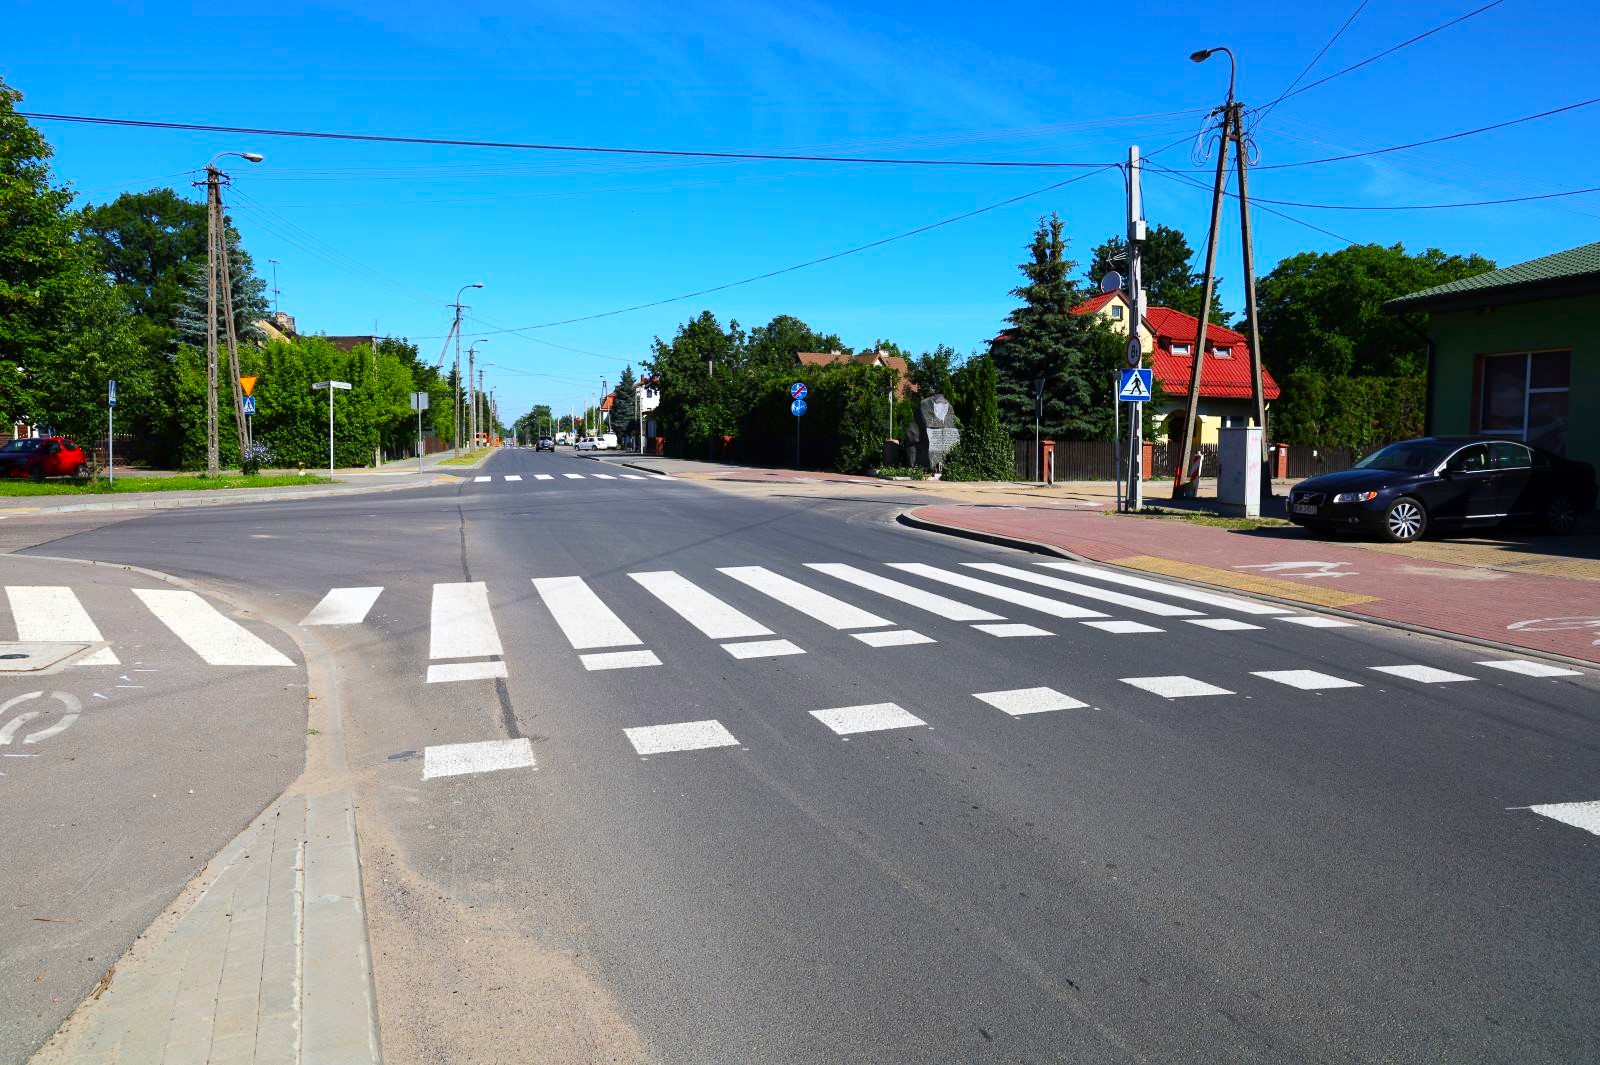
(1116, 311)
(1182, 349)
(1222, 353)
(1524, 397)
(1236, 421)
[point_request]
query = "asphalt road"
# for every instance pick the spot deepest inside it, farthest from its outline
(1264, 872)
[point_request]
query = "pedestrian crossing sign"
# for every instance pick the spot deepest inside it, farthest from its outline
(1134, 387)
(249, 404)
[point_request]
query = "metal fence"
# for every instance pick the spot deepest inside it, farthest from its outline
(1307, 461)
(1096, 460)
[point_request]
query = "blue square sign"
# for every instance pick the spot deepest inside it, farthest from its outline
(1134, 386)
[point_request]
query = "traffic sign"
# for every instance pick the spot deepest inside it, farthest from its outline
(798, 407)
(111, 393)
(1135, 353)
(248, 384)
(419, 401)
(249, 405)
(1135, 386)
(798, 390)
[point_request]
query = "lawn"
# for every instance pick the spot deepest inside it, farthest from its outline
(466, 460)
(190, 483)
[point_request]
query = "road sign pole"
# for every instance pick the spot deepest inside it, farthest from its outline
(111, 436)
(1116, 429)
(1136, 235)
(330, 430)
(419, 441)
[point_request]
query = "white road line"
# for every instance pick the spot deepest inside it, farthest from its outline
(603, 476)
(573, 476)
(1019, 701)
(1422, 674)
(343, 606)
(487, 756)
(448, 672)
(1531, 669)
(461, 625)
(762, 649)
(481, 480)
(513, 476)
(46, 613)
(544, 476)
(1317, 621)
(1307, 680)
(216, 638)
(1222, 624)
(619, 660)
(1177, 591)
(684, 736)
(1122, 628)
(634, 477)
(1175, 687)
(1053, 607)
(873, 717)
(892, 638)
(1584, 815)
(1009, 631)
(824, 608)
(586, 621)
(699, 607)
(1088, 591)
(949, 609)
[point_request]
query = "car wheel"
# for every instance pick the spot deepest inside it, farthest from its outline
(37, 473)
(1560, 515)
(1404, 521)
(80, 471)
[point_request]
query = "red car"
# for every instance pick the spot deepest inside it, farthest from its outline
(41, 457)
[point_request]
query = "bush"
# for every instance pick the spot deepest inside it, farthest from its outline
(984, 452)
(1361, 413)
(915, 473)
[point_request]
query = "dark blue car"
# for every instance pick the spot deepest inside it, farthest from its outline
(1441, 483)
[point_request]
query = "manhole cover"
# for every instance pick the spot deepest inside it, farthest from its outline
(29, 657)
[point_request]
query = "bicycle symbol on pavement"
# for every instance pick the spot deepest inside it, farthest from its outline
(9, 730)
(1566, 624)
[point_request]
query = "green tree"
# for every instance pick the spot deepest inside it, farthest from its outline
(625, 405)
(1164, 266)
(151, 244)
(773, 346)
(1074, 354)
(249, 301)
(703, 380)
(984, 451)
(1324, 312)
(929, 372)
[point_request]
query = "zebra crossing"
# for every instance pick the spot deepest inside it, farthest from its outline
(536, 480)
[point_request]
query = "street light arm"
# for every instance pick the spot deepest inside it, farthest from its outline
(1233, 64)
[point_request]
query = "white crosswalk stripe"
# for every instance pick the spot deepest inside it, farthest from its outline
(1013, 630)
(1176, 591)
(1020, 701)
(699, 607)
(1422, 674)
(823, 607)
(1317, 621)
(1122, 628)
(215, 637)
(513, 476)
(487, 756)
(45, 613)
(573, 476)
(603, 476)
(1088, 591)
(1175, 687)
(1308, 680)
(1015, 596)
(462, 625)
(584, 619)
(343, 606)
(683, 736)
(1222, 624)
(949, 609)
(482, 480)
(544, 476)
(619, 660)
(634, 477)
(1529, 668)
(892, 638)
(873, 717)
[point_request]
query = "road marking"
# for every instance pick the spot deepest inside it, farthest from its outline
(586, 621)
(1053, 607)
(1584, 815)
(449, 672)
(1177, 591)
(481, 480)
(949, 609)
(825, 608)
(343, 606)
(1008, 631)
(573, 476)
(1316, 621)
(1175, 687)
(544, 476)
(46, 613)
(892, 638)
(619, 660)
(699, 607)
(1122, 628)
(684, 736)
(9, 732)
(513, 476)
(461, 625)
(634, 477)
(1422, 674)
(1222, 624)
(603, 476)
(1531, 669)
(1019, 701)
(1132, 602)
(1307, 680)
(216, 638)
(762, 649)
(873, 717)
(487, 756)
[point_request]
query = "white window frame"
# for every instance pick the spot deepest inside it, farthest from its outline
(1222, 352)
(1528, 391)
(1116, 311)
(1182, 349)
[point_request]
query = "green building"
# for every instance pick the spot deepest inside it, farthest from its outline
(1516, 352)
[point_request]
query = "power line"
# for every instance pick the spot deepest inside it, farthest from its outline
(548, 343)
(1265, 111)
(197, 127)
(1177, 175)
(1388, 51)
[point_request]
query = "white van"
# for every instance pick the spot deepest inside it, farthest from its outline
(608, 442)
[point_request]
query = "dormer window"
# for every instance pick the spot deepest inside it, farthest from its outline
(1182, 349)
(1222, 353)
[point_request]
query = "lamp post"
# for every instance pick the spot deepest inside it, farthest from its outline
(331, 386)
(456, 329)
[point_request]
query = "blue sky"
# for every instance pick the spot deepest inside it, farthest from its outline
(383, 233)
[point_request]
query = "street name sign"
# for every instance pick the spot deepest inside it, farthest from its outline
(345, 385)
(1135, 386)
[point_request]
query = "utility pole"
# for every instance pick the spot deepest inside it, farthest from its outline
(456, 373)
(482, 399)
(1230, 114)
(1136, 236)
(1241, 157)
(213, 196)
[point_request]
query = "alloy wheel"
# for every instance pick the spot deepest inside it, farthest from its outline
(1560, 515)
(1405, 520)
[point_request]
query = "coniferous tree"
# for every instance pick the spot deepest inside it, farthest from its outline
(625, 405)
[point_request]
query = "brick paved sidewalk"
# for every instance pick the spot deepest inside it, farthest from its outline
(1542, 611)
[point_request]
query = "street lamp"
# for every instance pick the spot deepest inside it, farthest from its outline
(456, 330)
(1233, 65)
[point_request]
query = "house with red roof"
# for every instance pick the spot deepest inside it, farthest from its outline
(1168, 340)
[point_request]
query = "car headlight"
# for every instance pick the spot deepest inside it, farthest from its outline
(1354, 497)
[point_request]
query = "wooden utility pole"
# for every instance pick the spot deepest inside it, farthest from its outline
(1242, 155)
(456, 329)
(213, 198)
(241, 423)
(1136, 237)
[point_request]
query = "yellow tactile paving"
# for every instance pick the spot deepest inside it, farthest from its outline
(1301, 593)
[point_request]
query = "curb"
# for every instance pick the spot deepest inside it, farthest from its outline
(224, 497)
(910, 520)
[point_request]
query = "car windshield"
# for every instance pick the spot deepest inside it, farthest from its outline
(1410, 456)
(15, 446)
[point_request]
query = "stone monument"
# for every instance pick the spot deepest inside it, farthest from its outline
(933, 433)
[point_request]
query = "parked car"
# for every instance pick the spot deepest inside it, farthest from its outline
(545, 444)
(41, 457)
(588, 443)
(1441, 483)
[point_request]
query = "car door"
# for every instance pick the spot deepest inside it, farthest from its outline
(50, 458)
(1465, 487)
(1513, 491)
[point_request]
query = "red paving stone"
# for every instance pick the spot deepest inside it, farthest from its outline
(1464, 600)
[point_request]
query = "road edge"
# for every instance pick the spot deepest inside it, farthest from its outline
(223, 497)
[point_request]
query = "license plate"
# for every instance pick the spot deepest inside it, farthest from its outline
(1304, 508)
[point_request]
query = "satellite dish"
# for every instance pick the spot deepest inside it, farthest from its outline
(1111, 282)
